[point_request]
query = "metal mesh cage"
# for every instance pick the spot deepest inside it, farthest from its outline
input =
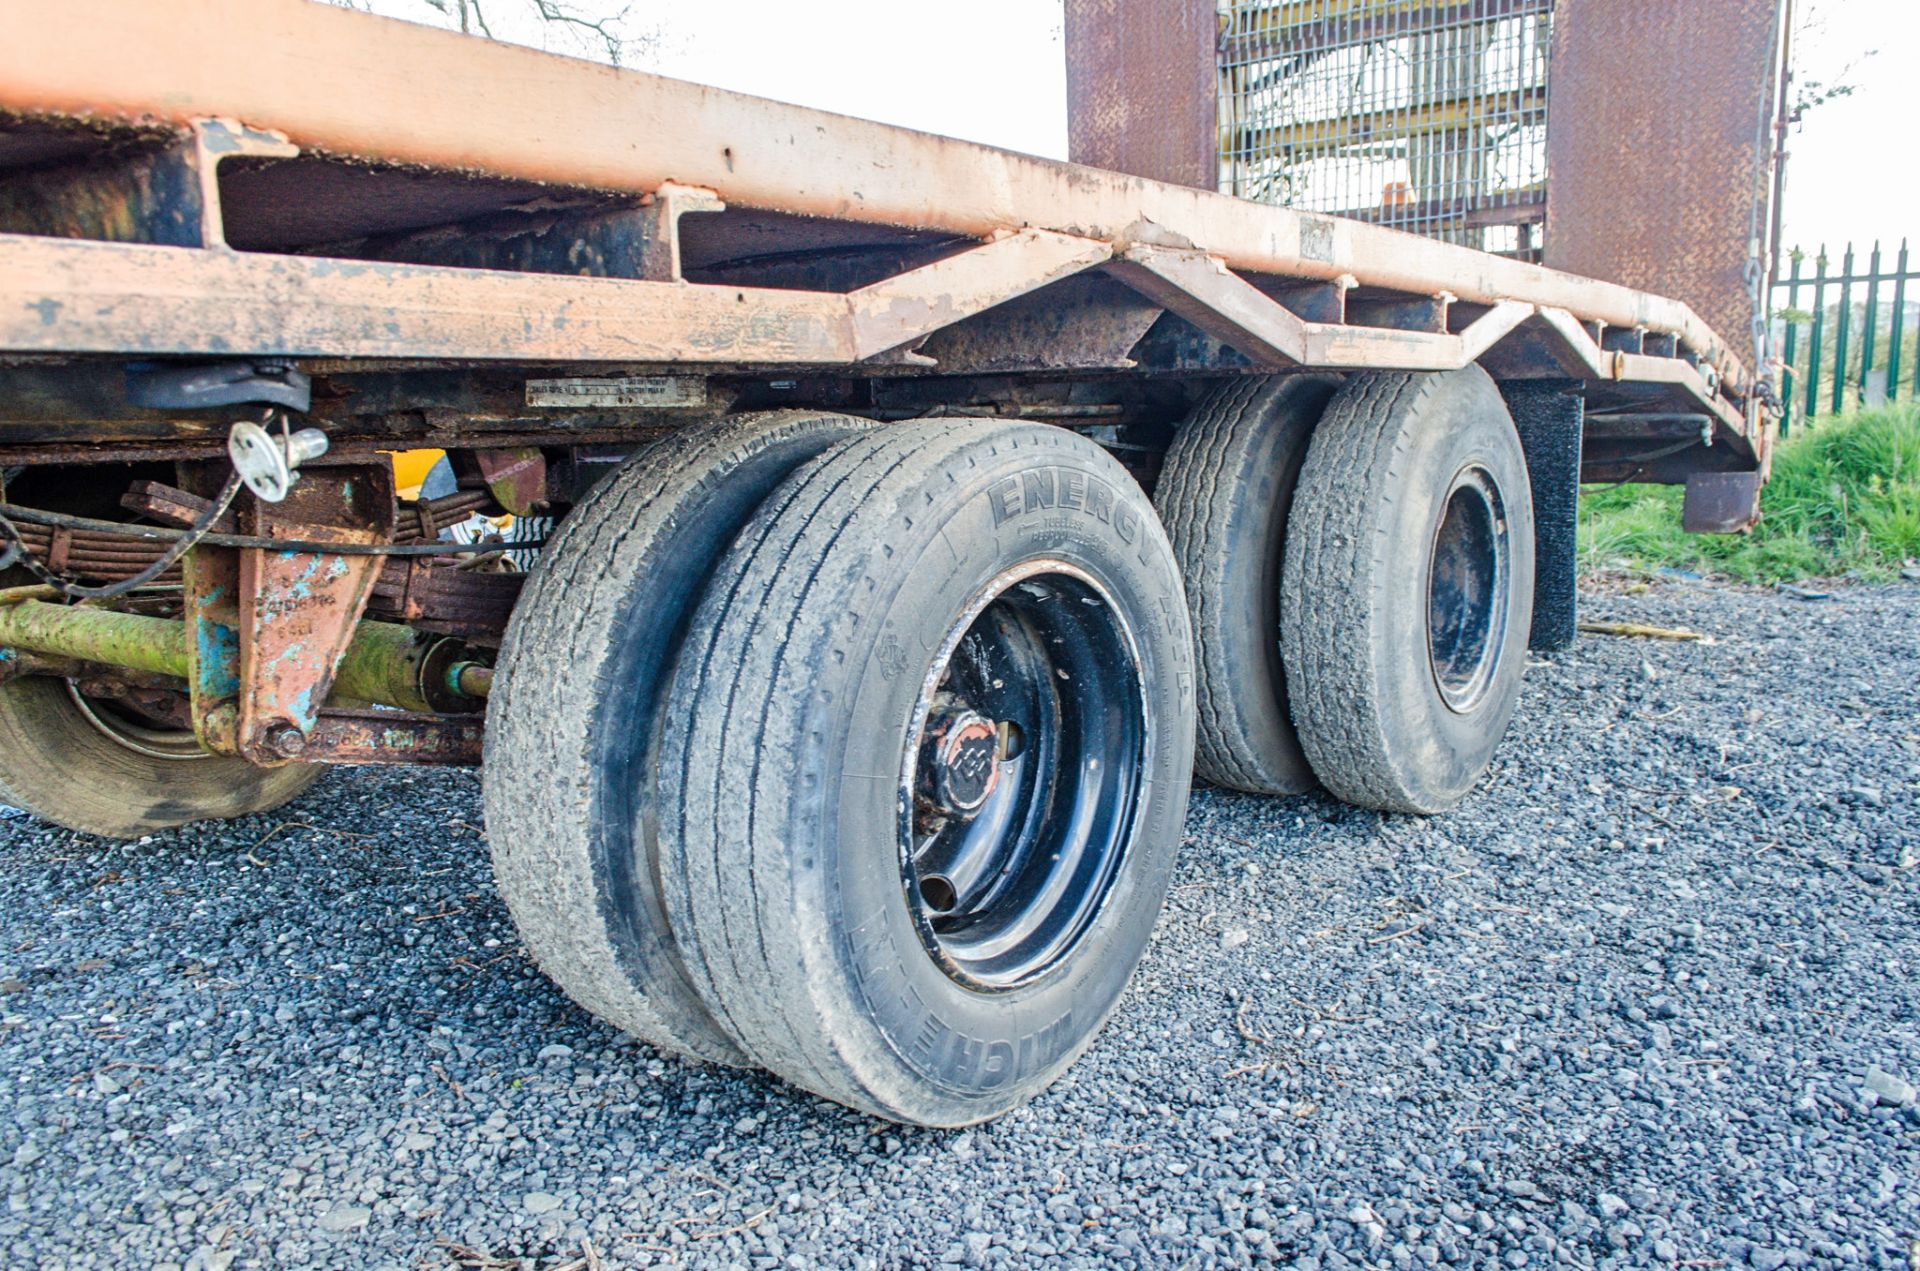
(1426, 115)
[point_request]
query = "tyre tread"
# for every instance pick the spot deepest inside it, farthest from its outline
(1335, 538)
(793, 595)
(556, 664)
(1205, 475)
(1382, 442)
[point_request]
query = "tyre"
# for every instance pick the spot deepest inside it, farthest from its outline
(570, 799)
(99, 767)
(933, 729)
(1408, 588)
(1224, 495)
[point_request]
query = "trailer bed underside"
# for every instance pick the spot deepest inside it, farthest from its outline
(171, 188)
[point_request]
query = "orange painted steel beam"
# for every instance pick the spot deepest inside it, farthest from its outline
(77, 296)
(1205, 292)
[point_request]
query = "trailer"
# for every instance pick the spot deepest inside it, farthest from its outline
(900, 523)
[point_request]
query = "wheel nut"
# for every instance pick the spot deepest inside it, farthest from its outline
(286, 741)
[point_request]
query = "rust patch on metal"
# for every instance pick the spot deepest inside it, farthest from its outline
(180, 301)
(1088, 322)
(1660, 149)
(92, 555)
(211, 607)
(516, 478)
(298, 610)
(1721, 502)
(377, 737)
(162, 190)
(550, 235)
(1140, 88)
(446, 600)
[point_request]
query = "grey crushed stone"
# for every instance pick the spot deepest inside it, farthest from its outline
(1648, 998)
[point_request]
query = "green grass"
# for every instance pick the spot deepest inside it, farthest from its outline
(1844, 500)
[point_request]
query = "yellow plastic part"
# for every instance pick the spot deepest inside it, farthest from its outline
(410, 469)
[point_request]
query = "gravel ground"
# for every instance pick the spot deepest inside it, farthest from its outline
(1648, 998)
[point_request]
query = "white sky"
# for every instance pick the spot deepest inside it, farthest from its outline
(1853, 168)
(985, 70)
(994, 71)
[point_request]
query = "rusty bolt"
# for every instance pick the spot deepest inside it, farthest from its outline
(286, 741)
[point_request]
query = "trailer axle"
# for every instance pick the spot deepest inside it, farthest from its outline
(385, 664)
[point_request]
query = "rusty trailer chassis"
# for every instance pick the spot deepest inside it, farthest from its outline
(914, 519)
(538, 281)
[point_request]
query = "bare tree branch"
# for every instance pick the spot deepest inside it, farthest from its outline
(605, 35)
(478, 17)
(1810, 36)
(551, 11)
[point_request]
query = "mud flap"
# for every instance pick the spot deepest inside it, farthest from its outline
(1721, 502)
(1549, 416)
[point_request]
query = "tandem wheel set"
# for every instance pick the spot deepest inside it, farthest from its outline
(861, 752)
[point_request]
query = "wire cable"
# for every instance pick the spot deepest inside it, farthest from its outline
(184, 543)
(9, 513)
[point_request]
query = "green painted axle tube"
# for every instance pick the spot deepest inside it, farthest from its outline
(383, 664)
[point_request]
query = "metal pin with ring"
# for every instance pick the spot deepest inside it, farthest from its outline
(269, 465)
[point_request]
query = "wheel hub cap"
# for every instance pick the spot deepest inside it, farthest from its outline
(962, 762)
(1468, 581)
(1020, 776)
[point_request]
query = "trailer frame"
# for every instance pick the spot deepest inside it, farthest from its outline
(912, 518)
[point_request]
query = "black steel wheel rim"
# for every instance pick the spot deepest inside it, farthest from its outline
(1467, 589)
(1021, 774)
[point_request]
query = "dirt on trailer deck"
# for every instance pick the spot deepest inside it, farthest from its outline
(1649, 996)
